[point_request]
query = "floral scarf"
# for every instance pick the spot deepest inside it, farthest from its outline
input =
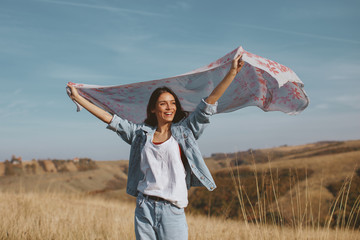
(261, 82)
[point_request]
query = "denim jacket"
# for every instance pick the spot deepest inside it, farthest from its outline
(185, 132)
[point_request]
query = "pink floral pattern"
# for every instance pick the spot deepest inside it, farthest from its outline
(263, 83)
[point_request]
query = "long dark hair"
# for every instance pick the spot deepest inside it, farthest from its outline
(151, 118)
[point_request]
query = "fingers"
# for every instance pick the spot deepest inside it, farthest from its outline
(70, 86)
(238, 57)
(73, 91)
(239, 62)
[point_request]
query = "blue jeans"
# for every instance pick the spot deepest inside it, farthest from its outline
(159, 220)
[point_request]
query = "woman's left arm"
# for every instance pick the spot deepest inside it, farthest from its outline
(219, 90)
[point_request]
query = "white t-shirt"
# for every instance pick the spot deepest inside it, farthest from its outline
(164, 172)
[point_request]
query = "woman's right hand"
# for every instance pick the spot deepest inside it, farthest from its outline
(74, 92)
(92, 108)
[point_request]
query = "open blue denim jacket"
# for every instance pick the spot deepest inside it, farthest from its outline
(185, 132)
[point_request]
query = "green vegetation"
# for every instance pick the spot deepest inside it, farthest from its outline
(330, 151)
(246, 157)
(12, 169)
(85, 164)
(224, 201)
(61, 165)
(55, 165)
(347, 201)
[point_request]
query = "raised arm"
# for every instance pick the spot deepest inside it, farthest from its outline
(92, 108)
(219, 90)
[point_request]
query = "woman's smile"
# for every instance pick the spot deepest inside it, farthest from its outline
(165, 108)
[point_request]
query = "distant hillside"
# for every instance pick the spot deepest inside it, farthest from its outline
(107, 179)
(324, 148)
(18, 167)
(306, 180)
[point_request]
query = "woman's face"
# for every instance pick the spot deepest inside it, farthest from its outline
(165, 108)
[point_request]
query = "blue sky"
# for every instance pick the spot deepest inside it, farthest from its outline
(45, 43)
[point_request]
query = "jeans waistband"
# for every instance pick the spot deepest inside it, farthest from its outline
(154, 198)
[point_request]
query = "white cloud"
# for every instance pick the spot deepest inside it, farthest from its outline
(18, 91)
(322, 106)
(122, 43)
(180, 5)
(336, 102)
(71, 73)
(13, 43)
(105, 8)
(348, 100)
(18, 107)
(344, 75)
(321, 11)
(304, 34)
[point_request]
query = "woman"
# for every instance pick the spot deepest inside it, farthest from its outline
(165, 160)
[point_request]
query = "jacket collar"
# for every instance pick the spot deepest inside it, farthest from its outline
(148, 129)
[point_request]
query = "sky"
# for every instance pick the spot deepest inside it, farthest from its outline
(46, 43)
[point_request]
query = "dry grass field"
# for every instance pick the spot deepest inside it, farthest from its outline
(108, 181)
(325, 163)
(93, 204)
(75, 217)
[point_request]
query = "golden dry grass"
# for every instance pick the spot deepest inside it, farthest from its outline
(63, 216)
(55, 205)
(311, 198)
(67, 216)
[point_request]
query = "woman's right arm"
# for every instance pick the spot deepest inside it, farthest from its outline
(92, 108)
(124, 128)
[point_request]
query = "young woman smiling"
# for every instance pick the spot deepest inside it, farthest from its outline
(165, 160)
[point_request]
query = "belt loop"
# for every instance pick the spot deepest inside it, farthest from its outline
(142, 195)
(145, 196)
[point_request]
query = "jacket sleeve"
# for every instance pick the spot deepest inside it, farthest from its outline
(124, 128)
(198, 120)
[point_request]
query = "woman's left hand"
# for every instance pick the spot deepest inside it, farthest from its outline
(237, 64)
(219, 90)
